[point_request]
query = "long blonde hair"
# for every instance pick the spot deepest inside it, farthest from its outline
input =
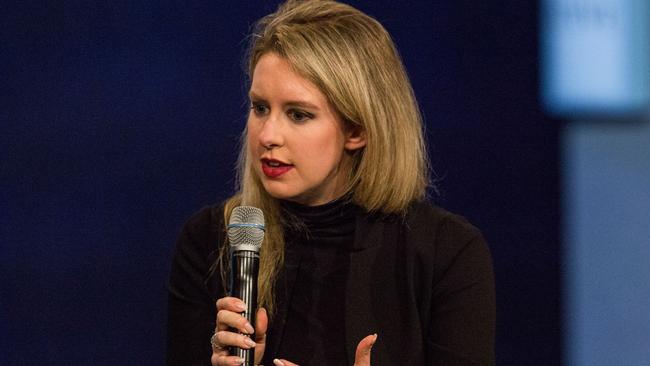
(351, 58)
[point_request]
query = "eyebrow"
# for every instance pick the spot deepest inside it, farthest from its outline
(291, 103)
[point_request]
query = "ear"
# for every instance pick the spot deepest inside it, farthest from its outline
(356, 138)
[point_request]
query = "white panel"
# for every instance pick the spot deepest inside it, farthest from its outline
(595, 56)
(607, 241)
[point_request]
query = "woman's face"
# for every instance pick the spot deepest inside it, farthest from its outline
(297, 140)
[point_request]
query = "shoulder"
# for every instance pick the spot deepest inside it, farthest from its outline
(453, 270)
(197, 248)
(205, 220)
(426, 219)
(203, 230)
(442, 237)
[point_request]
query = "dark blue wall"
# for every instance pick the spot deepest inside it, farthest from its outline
(121, 118)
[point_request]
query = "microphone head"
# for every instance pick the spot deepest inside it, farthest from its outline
(246, 229)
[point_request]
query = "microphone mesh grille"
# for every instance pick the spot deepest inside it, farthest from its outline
(246, 228)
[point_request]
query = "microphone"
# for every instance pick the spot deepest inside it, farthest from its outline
(245, 234)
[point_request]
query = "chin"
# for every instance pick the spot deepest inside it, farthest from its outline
(278, 191)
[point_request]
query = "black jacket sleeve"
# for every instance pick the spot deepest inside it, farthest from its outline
(191, 306)
(463, 310)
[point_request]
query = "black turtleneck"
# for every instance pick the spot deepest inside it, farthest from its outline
(318, 242)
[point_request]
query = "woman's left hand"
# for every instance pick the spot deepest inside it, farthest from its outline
(361, 356)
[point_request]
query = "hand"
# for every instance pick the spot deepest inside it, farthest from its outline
(229, 317)
(361, 356)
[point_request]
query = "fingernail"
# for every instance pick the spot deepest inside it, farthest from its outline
(239, 361)
(373, 342)
(248, 328)
(249, 342)
(277, 362)
(240, 306)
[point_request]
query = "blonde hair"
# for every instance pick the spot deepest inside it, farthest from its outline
(351, 58)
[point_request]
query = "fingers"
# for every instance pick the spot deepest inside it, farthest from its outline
(234, 339)
(229, 311)
(261, 325)
(225, 360)
(362, 354)
(232, 304)
(229, 317)
(278, 362)
(220, 340)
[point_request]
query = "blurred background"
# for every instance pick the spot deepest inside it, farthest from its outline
(119, 119)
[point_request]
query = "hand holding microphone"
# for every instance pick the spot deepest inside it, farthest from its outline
(229, 318)
(240, 335)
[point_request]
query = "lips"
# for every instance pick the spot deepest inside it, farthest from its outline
(274, 168)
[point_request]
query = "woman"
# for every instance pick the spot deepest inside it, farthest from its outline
(353, 256)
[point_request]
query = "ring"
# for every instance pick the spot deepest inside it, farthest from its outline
(216, 347)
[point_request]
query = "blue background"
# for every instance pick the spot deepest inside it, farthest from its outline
(119, 119)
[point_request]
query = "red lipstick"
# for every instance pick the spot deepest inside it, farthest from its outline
(274, 168)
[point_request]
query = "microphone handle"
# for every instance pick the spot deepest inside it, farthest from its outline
(245, 267)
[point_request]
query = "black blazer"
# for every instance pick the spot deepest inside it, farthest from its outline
(423, 283)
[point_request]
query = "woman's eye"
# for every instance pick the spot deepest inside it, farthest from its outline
(259, 109)
(299, 116)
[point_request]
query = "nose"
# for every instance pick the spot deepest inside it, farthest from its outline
(270, 133)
